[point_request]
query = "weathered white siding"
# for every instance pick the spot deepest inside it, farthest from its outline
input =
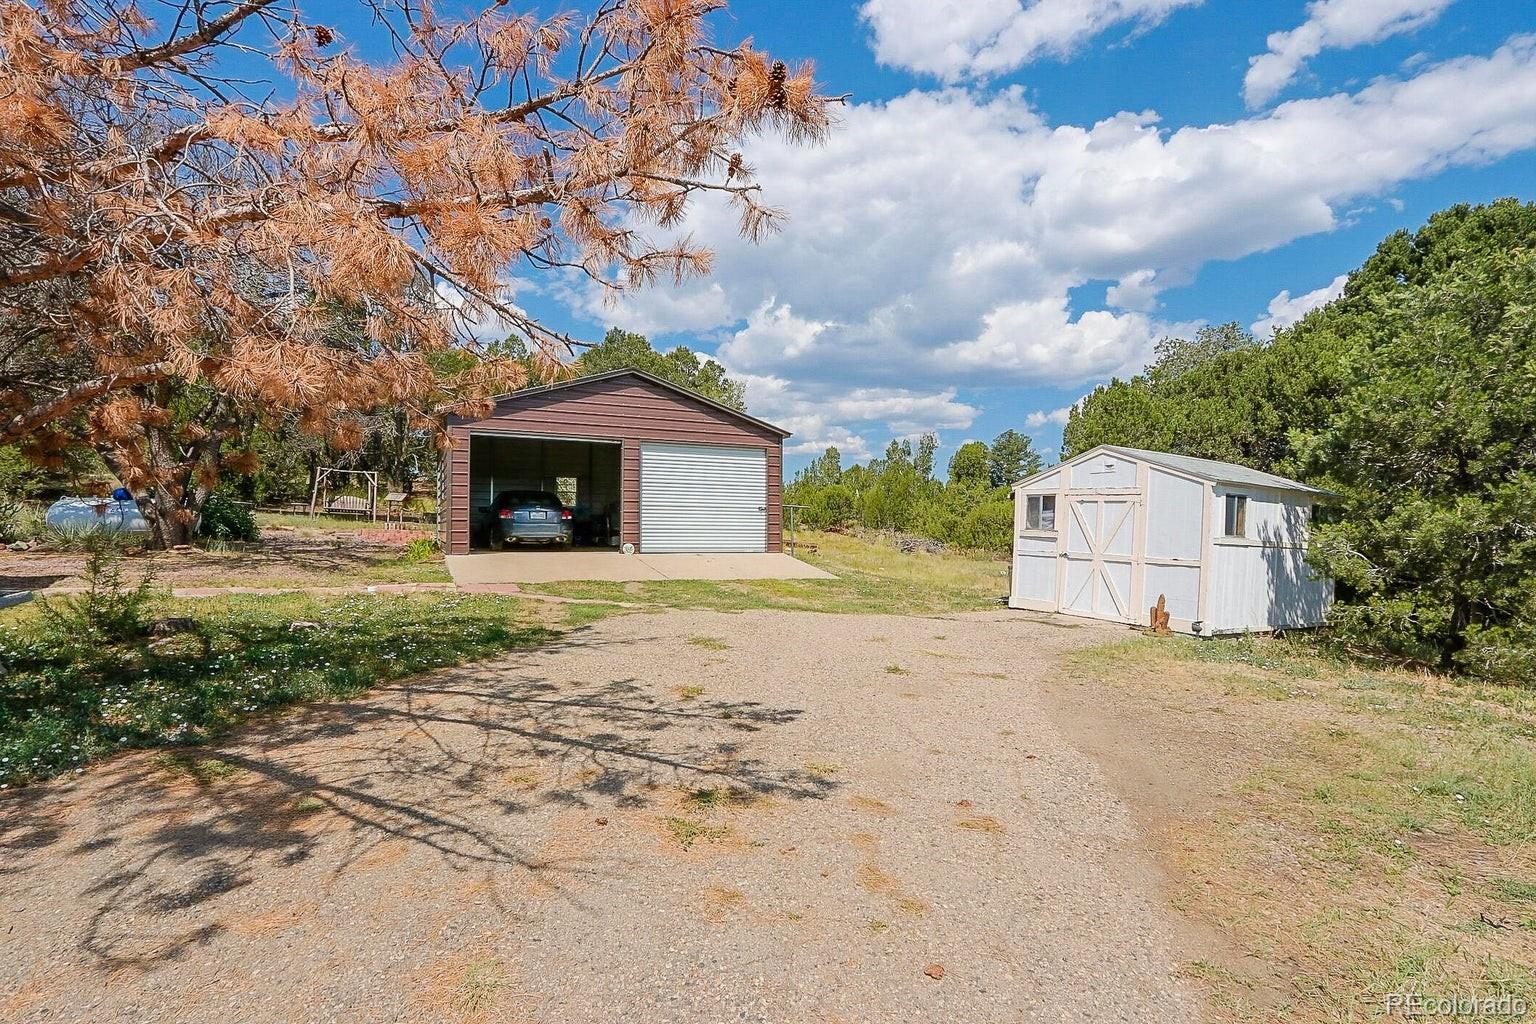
(1104, 473)
(1129, 530)
(1261, 580)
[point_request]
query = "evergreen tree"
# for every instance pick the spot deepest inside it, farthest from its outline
(1013, 458)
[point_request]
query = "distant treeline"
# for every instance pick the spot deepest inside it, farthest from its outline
(970, 509)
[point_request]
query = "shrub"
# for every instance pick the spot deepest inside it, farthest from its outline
(113, 607)
(987, 527)
(11, 520)
(79, 537)
(422, 549)
(225, 519)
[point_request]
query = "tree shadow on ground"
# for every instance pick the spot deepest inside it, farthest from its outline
(456, 765)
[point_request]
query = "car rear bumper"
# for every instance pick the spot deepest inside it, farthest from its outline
(536, 531)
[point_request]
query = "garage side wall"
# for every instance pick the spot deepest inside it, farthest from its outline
(627, 409)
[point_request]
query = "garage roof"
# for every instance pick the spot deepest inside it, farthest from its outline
(650, 378)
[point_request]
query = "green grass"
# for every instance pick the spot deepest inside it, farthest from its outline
(872, 577)
(687, 831)
(300, 521)
(1396, 805)
(64, 704)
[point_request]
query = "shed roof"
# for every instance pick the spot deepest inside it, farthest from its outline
(649, 378)
(1206, 469)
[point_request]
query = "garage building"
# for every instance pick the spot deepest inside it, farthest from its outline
(642, 462)
(1108, 532)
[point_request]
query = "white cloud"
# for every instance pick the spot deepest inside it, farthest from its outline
(1038, 340)
(1284, 310)
(951, 262)
(819, 415)
(1136, 291)
(1331, 24)
(1040, 418)
(954, 39)
(773, 332)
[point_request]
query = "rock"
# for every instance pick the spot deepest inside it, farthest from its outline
(934, 971)
(963, 803)
(602, 821)
(302, 624)
(20, 545)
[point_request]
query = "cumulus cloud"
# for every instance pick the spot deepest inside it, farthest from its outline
(954, 39)
(1040, 418)
(1331, 24)
(1136, 291)
(820, 415)
(938, 237)
(1285, 310)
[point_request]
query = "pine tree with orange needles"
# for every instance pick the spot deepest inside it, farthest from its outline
(183, 256)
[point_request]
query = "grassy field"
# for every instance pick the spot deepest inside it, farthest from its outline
(1381, 837)
(324, 521)
(65, 701)
(872, 577)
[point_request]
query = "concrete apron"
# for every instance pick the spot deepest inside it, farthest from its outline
(504, 567)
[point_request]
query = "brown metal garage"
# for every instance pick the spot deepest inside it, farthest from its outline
(643, 461)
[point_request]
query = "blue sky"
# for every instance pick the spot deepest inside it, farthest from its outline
(1024, 195)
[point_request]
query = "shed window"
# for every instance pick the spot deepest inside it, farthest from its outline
(1237, 515)
(1040, 512)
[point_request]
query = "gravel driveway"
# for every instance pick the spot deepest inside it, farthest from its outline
(690, 816)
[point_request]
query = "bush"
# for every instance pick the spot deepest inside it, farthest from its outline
(113, 608)
(987, 527)
(11, 520)
(422, 549)
(225, 519)
(78, 537)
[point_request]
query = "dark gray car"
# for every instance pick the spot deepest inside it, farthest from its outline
(534, 517)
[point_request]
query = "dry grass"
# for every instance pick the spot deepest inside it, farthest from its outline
(1383, 841)
(870, 805)
(721, 902)
(873, 576)
(981, 823)
(473, 988)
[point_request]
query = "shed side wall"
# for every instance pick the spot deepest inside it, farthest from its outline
(1262, 581)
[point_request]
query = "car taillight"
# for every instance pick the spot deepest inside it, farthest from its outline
(505, 513)
(565, 513)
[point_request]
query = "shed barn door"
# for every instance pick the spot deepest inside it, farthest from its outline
(703, 498)
(1101, 539)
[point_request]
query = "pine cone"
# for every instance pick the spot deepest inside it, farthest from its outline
(776, 76)
(324, 36)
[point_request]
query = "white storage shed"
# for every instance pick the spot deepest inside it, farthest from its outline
(1107, 532)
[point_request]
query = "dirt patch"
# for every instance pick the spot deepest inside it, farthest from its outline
(485, 830)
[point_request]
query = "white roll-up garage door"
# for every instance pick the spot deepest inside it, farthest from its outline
(703, 498)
